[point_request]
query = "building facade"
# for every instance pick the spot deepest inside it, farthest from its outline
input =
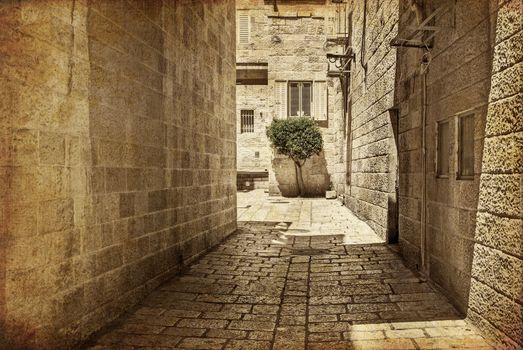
(282, 73)
(371, 145)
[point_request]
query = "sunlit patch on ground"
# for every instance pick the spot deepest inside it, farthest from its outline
(306, 216)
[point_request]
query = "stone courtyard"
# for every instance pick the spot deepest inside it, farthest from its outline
(306, 216)
(307, 285)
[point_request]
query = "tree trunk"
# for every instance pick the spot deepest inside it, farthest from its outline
(299, 179)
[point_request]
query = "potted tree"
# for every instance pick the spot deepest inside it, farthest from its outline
(297, 138)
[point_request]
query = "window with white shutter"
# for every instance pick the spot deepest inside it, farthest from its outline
(294, 99)
(300, 98)
(280, 99)
(244, 28)
(320, 100)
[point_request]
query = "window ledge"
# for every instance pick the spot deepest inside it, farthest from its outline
(469, 178)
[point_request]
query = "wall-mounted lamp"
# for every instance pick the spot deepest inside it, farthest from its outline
(340, 60)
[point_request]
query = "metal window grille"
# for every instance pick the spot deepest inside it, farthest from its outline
(247, 120)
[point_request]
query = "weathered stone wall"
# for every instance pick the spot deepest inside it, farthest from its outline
(466, 235)
(117, 156)
(409, 97)
(457, 83)
(496, 292)
(303, 30)
(371, 183)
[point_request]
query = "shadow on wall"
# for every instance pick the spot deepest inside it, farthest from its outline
(392, 200)
(315, 176)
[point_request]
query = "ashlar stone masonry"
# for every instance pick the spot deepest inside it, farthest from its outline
(371, 143)
(117, 156)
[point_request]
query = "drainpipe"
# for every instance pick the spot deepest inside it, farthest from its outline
(418, 12)
(423, 242)
(414, 7)
(363, 40)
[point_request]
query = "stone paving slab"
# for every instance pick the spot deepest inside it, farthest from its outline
(249, 293)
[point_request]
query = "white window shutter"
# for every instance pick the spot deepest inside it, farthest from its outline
(320, 100)
(244, 28)
(280, 99)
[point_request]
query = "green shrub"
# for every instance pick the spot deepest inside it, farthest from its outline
(297, 138)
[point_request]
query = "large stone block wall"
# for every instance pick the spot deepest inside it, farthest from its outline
(117, 156)
(303, 29)
(371, 184)
(474, 233)
(457, 83)
(496, 292)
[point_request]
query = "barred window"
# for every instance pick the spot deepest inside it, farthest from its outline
(246, 120)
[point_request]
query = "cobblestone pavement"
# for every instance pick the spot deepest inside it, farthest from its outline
(311, 293)
(330, 216)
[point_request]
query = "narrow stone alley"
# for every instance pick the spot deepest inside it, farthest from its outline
(150, 153)
(269, 287)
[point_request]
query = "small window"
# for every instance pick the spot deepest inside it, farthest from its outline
(300, 96)
(466, 147)
(246, 120)
(443, 148)
(244, 30)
